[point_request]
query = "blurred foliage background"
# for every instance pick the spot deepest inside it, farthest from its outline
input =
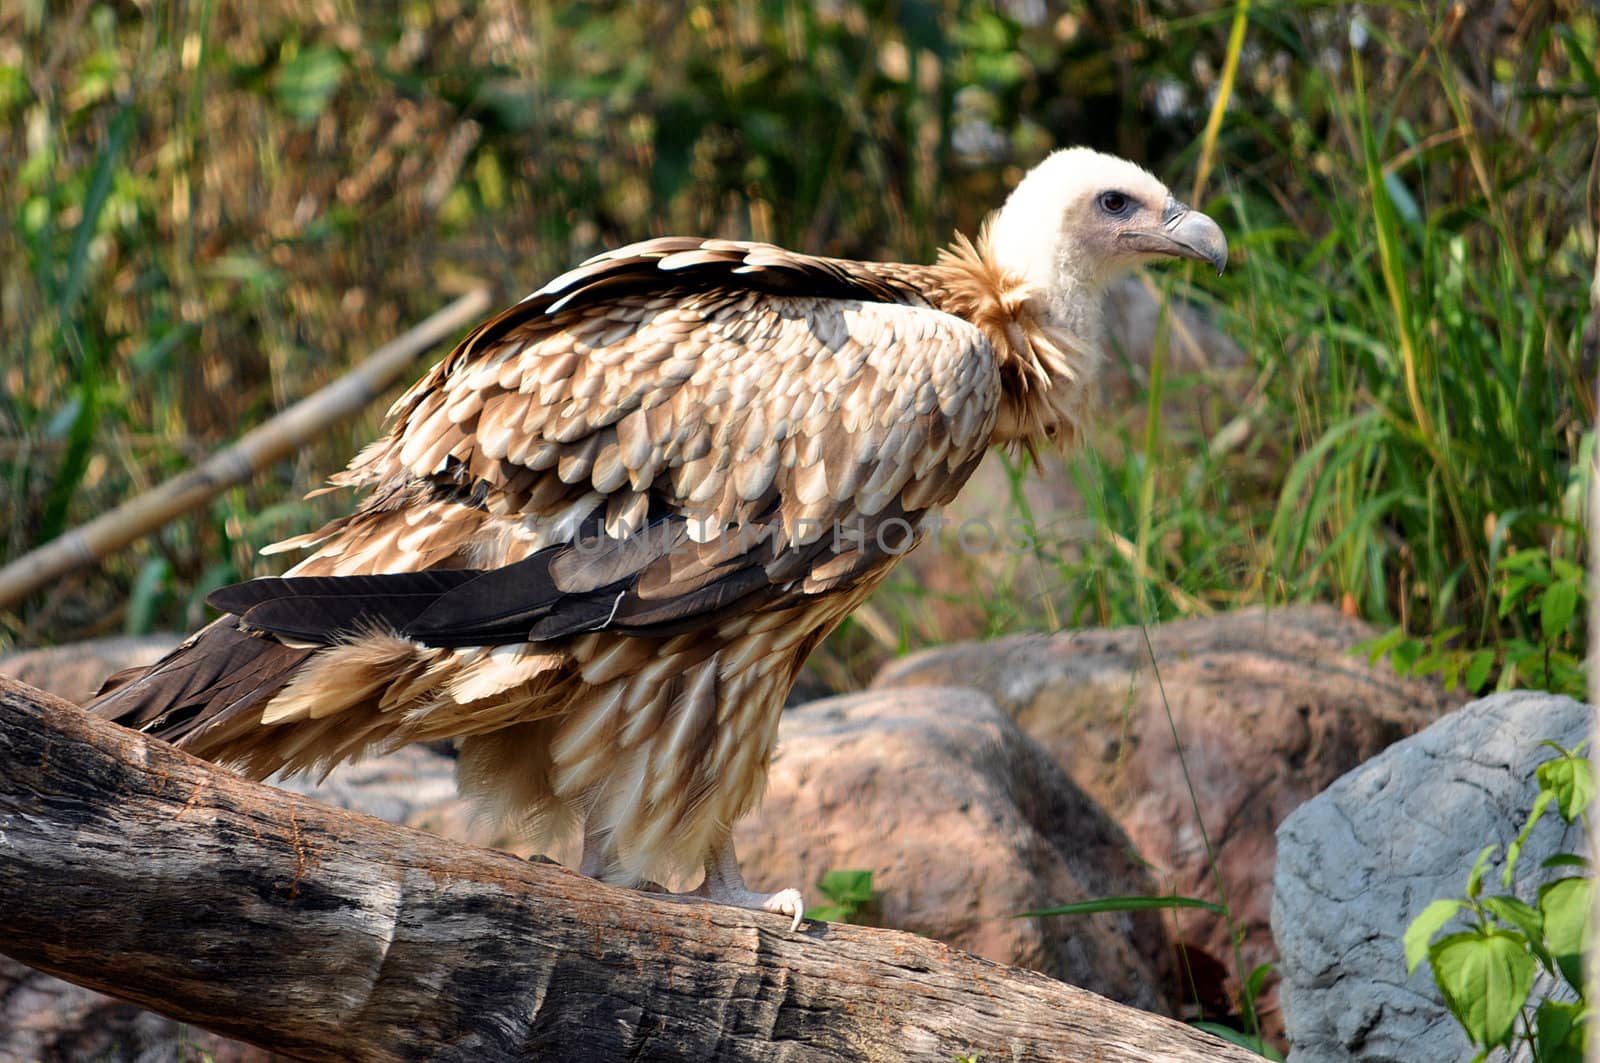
(211, 209)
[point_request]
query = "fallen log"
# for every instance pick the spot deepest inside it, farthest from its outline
(135, 869)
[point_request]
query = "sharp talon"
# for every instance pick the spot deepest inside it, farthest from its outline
(787, 902)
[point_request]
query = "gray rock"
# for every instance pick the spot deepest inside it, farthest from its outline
(397, 787)
(1359, 862)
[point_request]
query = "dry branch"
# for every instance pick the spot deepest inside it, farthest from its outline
(256, 449)
(133, 868)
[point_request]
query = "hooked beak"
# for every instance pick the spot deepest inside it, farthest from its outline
(1183, 233)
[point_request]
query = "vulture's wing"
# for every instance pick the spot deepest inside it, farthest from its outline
(669, 434)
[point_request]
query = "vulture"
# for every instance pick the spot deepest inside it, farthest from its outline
(602, 535)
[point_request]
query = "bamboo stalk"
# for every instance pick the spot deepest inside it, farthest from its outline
(257, 448)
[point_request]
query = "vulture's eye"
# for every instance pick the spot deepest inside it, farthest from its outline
(1115, 203)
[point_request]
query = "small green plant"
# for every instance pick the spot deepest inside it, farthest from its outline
(1542, 601)
(1249, 995)
(848, 893)
(1250, 988)
(1486, 972)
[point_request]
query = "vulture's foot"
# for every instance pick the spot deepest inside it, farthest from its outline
(724, 884)
(787, 902)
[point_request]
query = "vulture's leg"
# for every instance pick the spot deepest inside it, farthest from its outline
(724, 884)
(596, 859)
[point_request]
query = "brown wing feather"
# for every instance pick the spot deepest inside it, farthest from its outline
(735, 457)
(700, 392)
(731, 389)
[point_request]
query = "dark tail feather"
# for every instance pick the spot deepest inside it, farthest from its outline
(213, 677)
(120, 678)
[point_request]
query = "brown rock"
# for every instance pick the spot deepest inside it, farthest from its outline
(1270, 707)
(962, 819)
(75, 671)
(964, 823)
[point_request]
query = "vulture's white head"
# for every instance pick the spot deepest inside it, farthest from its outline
(1076, 221)
(1080, 218)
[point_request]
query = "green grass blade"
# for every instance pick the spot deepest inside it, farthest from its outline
(1124, 904)
(93, 204)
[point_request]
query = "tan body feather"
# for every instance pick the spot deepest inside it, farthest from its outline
(722, 405)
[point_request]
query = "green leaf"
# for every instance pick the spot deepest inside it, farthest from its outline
(1123, 904)
(1251, 989)
(1581, 62)
(1405, 204)
(1565, 905)
(14, 87)
(1485, 977)
(87, 419)
(1514, 850)
(848, 890)
(1560, 601)
(1479, 866)
(1511, 593)
(1564, 860)
(1571, 780)
(1375, 648)
(1523, 559)
(1423, 927)
(1525, 917)
(1477, 673)
(94, 203)
(1559, 1035)
(1405, 655)
(156, 356)
(1243, 1040)
(145, 598)
(307, 81)
(847, 887)
(1566, 571)
(829, 913)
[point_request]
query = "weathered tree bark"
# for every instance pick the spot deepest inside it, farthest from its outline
(132, 868)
